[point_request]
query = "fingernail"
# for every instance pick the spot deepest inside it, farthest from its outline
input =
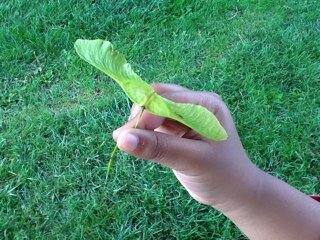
(128, 142)
(134, 113)
(116, 133)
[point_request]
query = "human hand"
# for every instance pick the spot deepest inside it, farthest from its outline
(217, 173)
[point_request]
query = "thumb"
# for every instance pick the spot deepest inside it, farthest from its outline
(177, 153)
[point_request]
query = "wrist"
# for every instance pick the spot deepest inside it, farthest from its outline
(275, 210)
(245, 190)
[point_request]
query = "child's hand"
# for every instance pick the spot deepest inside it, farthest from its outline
(217, 173)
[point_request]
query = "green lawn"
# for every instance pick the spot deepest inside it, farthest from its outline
(57, 113)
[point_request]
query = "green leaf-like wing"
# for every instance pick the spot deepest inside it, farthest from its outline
(194, 116)
(101, 54)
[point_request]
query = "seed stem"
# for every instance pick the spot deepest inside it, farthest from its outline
(139, 117)
(115, 149)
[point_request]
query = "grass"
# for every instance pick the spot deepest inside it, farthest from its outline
(57, 113)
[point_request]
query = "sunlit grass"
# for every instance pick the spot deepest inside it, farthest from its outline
(57, 113)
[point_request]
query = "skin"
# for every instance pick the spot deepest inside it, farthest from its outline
(220, 174)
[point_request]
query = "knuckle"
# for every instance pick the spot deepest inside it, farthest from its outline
(213, 95)
(207, 99)
(212, 101)
(134, 111)
(133, 107)
(160, 148)
(217, 96)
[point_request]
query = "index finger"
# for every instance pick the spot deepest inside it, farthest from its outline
(147, 120)
(160, 88)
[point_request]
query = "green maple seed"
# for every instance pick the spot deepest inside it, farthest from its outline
(101, 54)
